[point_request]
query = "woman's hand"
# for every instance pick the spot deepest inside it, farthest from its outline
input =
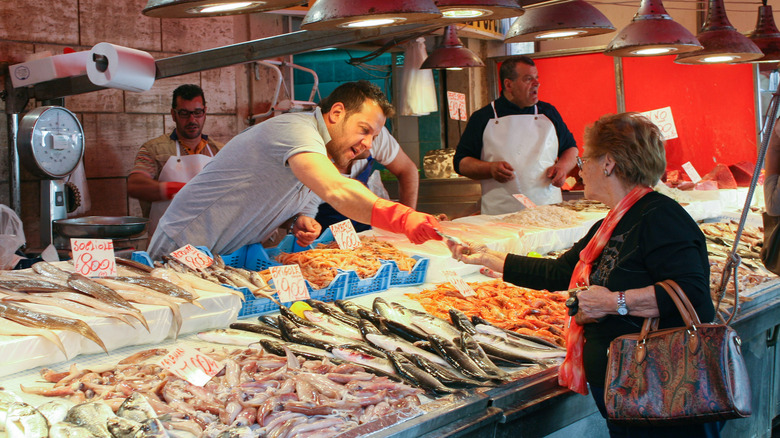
(595, 302)
(473, 253)
(305, 230)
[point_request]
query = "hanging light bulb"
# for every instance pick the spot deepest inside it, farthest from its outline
(451, 54)
(211, 8)
(766, 36)
(479, 9)
(331, 14)
(561, 20)
(652, 32)
(722, 43)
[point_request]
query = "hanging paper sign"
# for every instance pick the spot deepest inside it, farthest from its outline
(459, 284)
(664, 120)
(457, 103)
(524, 200)
(94, 257)
(345, 235)
(289, 283)
(191, 365)
(691, 171)
(192, 257)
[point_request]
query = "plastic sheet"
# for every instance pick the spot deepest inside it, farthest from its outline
(11, 237)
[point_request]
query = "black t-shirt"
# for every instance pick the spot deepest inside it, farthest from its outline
(470, 144)
(655, 240)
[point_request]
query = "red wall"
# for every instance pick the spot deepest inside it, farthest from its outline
(713, 106)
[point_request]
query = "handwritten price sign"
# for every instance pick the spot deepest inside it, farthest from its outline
(459, 284)
(289, 283)
(94, 257)
(345, 234)
(524, 200)
(457, 104)
(664, 120)
(191, 365)
(691, 171)
(192, 257)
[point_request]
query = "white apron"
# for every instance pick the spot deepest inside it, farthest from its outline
(529, 144)
(179, 169)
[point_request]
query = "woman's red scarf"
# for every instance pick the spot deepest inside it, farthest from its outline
(571, 373)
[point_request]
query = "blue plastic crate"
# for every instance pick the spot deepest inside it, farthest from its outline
(254, 306)
(399, 278)
(142, 257)
(236, 258)
(378, 282)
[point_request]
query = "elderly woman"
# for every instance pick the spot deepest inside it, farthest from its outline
(645, 238)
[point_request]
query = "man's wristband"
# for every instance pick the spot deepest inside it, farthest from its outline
(292, 224)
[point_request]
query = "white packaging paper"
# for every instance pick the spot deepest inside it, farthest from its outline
(48, 68)
(127, 69)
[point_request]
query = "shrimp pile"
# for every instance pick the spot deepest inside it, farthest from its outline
(378, 249)
(526, 311)
(320, 266)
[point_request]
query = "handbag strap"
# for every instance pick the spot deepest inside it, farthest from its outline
(677, 292)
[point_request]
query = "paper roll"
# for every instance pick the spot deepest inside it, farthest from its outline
(121, 67)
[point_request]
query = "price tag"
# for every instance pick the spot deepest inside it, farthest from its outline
(192, 257)
(191, 365)
(524, 200)
(691, 171)
(457, 105)
(459, 284)
(345, 234)
(664, 120)
(94, 257)
(289, 283)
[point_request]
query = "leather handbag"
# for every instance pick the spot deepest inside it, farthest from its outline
(682, 375)
(770, 252)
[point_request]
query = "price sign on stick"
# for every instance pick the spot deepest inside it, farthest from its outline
(191, 365)
(459, 284)
(524, 200)
(457, 105)
(289, 283)
(94, 257)
(192, 257)
(345, 234)
(691, 171)
(664, 120)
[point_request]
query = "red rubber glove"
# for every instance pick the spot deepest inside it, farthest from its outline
(398, 218)
(170, 188)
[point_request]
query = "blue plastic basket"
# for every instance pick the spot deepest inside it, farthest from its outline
(376, 283)
(142, 257)
(399, 278)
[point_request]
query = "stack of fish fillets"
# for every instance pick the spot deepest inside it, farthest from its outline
(399, 342)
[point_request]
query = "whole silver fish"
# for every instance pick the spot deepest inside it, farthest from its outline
(69, 430)
(24, 421)
(365, 359)
(47, 321)
(56, 410)
(7, 398)
(92, 416)
(333, 325)
(104, 293)
(389, 343)
(136, 408)
(233, 337)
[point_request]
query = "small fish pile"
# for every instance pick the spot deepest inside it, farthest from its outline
(544, 216)
(256, 394)
(537, 313)
(396, 341)
(219, 273)
(373, 249)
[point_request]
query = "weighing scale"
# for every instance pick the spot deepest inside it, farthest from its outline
(51, 145)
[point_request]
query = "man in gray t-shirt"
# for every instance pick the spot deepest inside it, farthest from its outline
(277, 172)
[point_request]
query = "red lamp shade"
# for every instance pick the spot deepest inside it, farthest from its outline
(722, 43)
(451, 54)
(766, 36)
(561, 20)
(211, 8)
(652, 32)
(479, 9)
(330, 14)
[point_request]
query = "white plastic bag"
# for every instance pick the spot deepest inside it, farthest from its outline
(418, 91)
(11, 237)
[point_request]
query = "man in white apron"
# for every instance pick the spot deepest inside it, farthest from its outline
(164, 164)
(517, 144)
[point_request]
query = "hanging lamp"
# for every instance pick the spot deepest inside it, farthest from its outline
(766, 36)
(561, 20)
(212, 8)
(722, 43)
(451, 54)
(652, 32)
(479, 9)
(331, 14)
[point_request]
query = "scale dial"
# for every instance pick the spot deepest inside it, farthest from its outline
(51, 141)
